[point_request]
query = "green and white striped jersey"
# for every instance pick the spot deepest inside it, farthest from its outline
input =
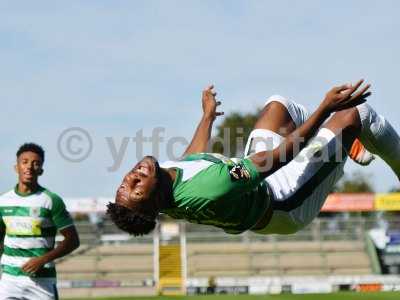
(214, 190)
(31, 222)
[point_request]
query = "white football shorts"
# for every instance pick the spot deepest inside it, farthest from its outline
(300, 188)
(25, 288)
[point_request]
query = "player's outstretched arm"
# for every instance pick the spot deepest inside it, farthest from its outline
(66, 246)
(202, 135)
(338, 98)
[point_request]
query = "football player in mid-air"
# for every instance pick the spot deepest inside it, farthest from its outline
(291, 162)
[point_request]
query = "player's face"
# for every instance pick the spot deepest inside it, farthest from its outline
(139, 183)
(29, 167)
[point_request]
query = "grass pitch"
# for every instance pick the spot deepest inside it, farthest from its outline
(336, 296)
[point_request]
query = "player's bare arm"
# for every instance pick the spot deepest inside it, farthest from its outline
(65, 247)
(336, 99)
(202, 135)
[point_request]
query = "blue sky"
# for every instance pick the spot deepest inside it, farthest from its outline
(115, 67)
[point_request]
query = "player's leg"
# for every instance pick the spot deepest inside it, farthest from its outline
(279, 118)
(375, 132)
(41, 289)
(300, 188)
(10, 289)
(276, 117)
(379, 137)
(362, 122)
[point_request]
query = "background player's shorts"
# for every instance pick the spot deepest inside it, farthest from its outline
(300, 188)
(13, 287)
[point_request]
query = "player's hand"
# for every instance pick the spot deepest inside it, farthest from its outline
(345, 96)
(33, 265)
(210, 103)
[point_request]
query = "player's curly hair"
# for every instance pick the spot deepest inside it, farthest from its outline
(130, 221)
(31, 147)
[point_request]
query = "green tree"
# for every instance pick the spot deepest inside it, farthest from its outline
(233, 133)
(357, 182)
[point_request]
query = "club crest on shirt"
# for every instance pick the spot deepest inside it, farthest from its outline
(35, 212)
(238, 172)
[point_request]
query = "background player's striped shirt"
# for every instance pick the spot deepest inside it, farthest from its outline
(31, 222)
